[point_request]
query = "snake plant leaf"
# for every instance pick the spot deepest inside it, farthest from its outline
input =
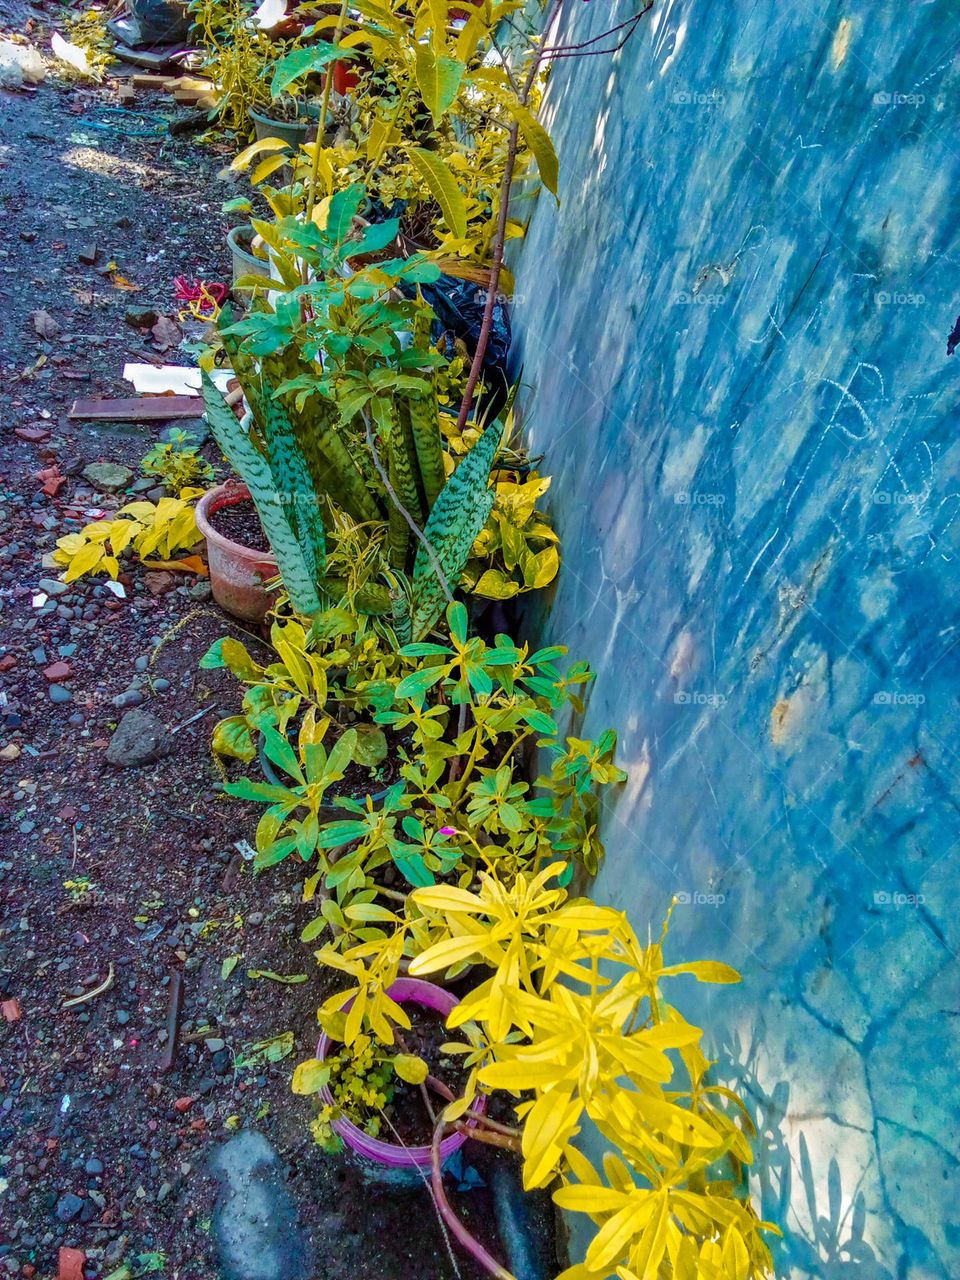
(255, 471)
(458, 515)
(444, 189)
(420, 415)
(294, 483)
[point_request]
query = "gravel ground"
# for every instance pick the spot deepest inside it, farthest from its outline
(132, 871)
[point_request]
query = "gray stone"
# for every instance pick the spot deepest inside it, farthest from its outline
(139, 738)
(200, 591)
(53, 586)
(141, 317)
(109, 477)
(58, 693)
(129, 698)
(69, 1206)
(93, 1167)
(255, 1228)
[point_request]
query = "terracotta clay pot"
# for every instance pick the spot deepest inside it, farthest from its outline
(237, 573)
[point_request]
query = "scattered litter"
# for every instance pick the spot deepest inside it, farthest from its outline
(39, 599)
(72, 54)
(245, 850)
(270, 14)
(117, 588)
(44, 324)
(171, 379)
(105, 985)
(51, 481)
(20, 64)
(65, 1104)
(204, 298)
(272, 1050)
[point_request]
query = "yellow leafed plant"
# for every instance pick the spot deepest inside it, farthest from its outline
(152, 530)
(575, 1026)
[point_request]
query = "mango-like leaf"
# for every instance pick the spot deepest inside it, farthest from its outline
(301, 62)
(443, 188)
(438, 79)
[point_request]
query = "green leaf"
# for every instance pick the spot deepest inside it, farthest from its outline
(302, 61)
(253, 467)
(289, 980)
(418, 682)
(438, 79)
(414, 870)
(371, 746)
(444, 189)
(280, 752)
(538, 140)
(232, 737)
(228, 966)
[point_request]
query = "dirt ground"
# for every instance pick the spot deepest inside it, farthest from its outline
(133, 872)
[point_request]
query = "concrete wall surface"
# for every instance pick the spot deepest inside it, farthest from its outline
(734, 335)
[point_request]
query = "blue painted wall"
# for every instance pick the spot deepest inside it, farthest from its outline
(734, 338)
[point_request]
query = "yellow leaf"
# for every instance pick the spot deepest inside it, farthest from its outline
(85, 561)
(248, 154)
(310, 1076)
(410, 1068)
(266, 167)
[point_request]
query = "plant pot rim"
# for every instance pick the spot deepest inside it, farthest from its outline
(212, 501)
(237, 248)
(429, 996)
(301, 122)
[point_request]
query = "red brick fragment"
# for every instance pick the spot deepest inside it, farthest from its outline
(70, 1266)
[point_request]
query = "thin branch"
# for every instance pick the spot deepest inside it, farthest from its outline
(572, 50)
(499, 242)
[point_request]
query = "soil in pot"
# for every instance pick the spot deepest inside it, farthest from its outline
(240, 523)
(406, 1111)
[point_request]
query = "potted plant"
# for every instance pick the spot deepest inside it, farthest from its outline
(238, 555)
(358, 1122)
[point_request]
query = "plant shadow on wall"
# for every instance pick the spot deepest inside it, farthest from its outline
(828, 1241)
(404, 744)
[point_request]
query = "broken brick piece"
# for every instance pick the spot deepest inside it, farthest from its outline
(183, 1104)
(58, 671)
(70, 1266)
(34, 434)
(7, 662)
(10, 1010)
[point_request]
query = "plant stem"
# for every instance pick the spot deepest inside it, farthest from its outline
(499, 239)
(488, 1136)
(472, 1246)
(322, 123)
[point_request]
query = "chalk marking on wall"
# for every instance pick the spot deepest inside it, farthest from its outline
(759, 555)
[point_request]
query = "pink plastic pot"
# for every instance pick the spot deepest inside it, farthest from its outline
(428, 996)
(237, 573)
